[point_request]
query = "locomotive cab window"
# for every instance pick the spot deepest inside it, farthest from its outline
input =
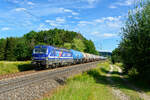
(40, 50)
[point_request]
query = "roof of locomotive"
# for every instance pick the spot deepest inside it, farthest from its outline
(48, 46)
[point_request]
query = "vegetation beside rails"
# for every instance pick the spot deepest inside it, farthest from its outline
(7, 67)
(87, 86)
(124, 86)
(136, 81)
(93, 85)
(134, 48)
(142, 86)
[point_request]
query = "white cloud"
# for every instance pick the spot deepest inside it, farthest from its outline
(57, 22)
(102, 20)
(67, 10)
(52, 23)
(102, 28)
(112, 6)
(83, 23)
(91, 1)
(42, 27)
(13, 1)
(115, 24)
(69, 16)
(60, 20)
(124, 3)
(105, 35)
(70, 11)
(5, 28)
(48, 21)
(99, 20)
(76, 18)
(95, 33)
(46, 10)
(75, 13)
(20, 9)
(109, 35)
(30, 3)
(112, 22)
(112, 18)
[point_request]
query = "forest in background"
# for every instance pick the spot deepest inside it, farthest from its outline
(20, 48)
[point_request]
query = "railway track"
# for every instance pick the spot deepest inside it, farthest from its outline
(22, 81)
(14, 75)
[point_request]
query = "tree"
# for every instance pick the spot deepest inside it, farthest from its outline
(67, 45)
(21, 50)
(78, 45)
(2, 49)
(90, 47)
(9, 49)
(135, 44)
(116, 56)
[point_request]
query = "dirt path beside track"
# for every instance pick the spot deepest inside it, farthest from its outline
(115, 90)
(141, 94)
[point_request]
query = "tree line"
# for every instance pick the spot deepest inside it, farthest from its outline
(13, 48)
(134, 48)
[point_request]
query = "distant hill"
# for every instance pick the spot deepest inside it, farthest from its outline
(105, 53)
(13, 48)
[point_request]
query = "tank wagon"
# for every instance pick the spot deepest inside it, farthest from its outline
(50, 57)
(77, 56)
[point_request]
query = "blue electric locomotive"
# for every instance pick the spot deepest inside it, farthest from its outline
(50, 57)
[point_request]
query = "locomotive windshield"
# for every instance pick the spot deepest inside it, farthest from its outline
(40, 50)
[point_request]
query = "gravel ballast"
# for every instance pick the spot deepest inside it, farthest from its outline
(37, 89)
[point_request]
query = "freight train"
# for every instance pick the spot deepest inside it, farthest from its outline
(51, 57)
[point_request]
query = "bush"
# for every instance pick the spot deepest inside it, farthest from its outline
(135, 45)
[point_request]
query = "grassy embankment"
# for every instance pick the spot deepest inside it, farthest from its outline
(7, 67)
(93, 85)
(87, 86)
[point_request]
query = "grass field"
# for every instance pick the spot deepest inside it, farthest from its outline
(93, 85)
(7, 67)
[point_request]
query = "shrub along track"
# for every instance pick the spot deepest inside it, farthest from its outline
(33, 86)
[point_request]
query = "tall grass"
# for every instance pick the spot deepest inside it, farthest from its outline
(93, 85)
(7, 67)
(88, 86)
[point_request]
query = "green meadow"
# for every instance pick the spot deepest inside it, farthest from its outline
(7, 67)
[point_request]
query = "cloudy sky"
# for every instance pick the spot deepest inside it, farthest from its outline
(98, 20)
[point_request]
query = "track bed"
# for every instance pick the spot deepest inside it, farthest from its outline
(34, 85)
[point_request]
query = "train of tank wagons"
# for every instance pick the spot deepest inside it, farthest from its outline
(51, 57)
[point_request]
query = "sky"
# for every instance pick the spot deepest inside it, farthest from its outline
(97, 20)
